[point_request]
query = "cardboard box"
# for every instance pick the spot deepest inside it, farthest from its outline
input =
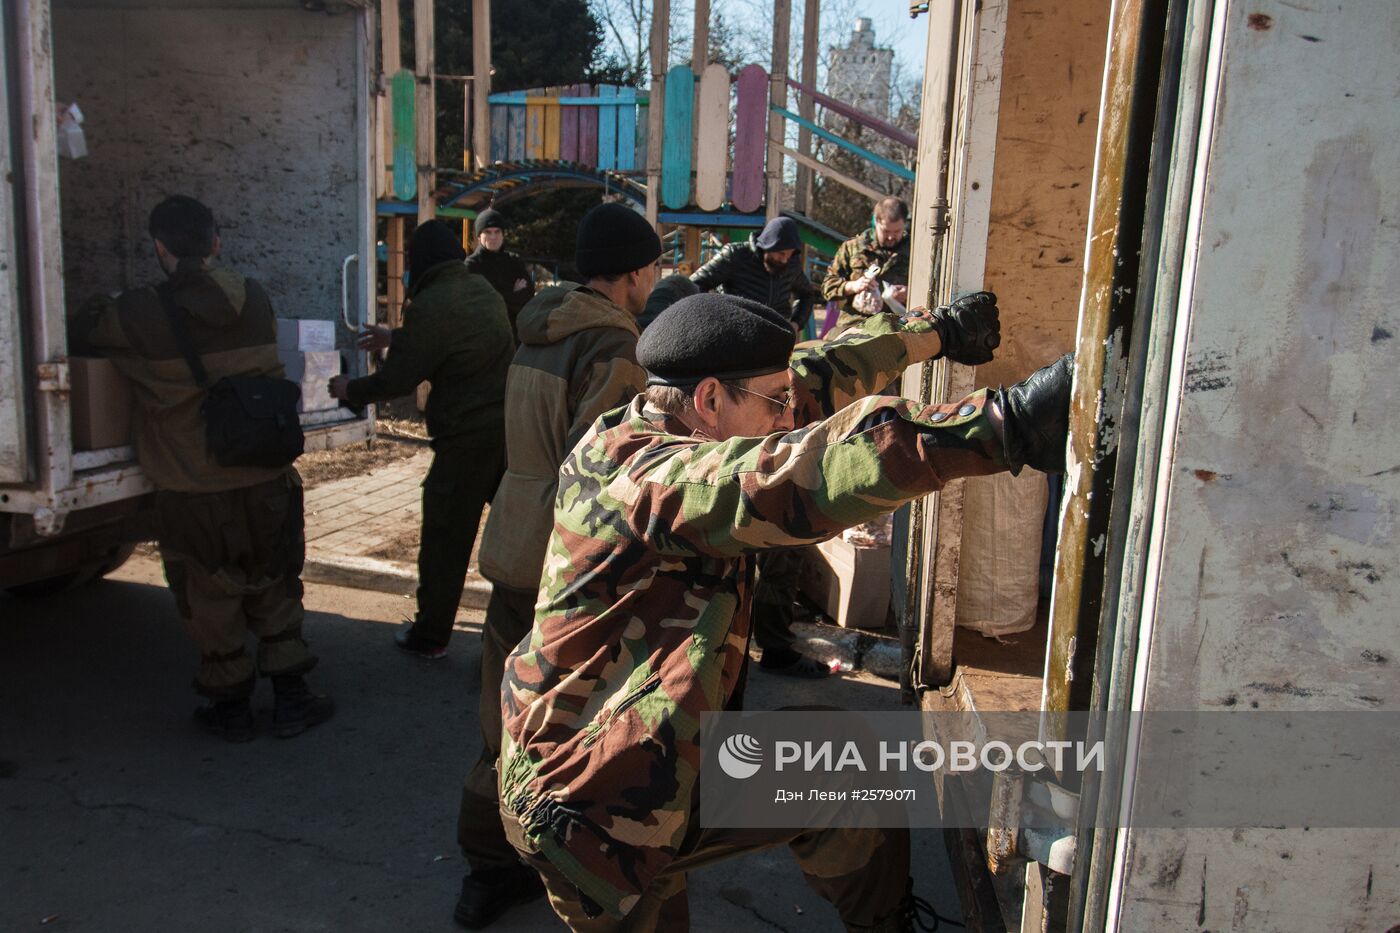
(321, 364)
(305, 336)
(851, 584)
(312, 372)
(100, 403)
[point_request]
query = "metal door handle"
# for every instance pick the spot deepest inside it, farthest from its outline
(345, 290)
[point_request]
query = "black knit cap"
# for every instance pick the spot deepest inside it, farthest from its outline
(433, 243)
(714, 335)
(665, 293)
(613, 239)
(490, 218)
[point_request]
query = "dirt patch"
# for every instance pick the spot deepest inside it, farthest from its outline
(402, 547)
(325, 466)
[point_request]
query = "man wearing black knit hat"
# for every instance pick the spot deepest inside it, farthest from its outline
(766, 269)
(455, 335)
(505, 270)
(643, 618)
(577, 360)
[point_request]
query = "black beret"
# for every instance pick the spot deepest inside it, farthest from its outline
(490, 218)
(613, 239)
(714, 335)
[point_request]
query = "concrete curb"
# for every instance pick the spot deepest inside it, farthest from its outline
(367, 573)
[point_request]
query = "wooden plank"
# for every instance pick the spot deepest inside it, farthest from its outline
(552, 117)
(516, 134)
(812, 164)
(481, 81)
(424, 65)
(607, 130)
(500, 132)
(712, 139)
(660, 55)
(403, 90)
(750, 125)
(393, 280)
(626, 130)
(534, 125)
(587, 130)
(677, 152)
(568, 127)
(777, 97)
(806, 106)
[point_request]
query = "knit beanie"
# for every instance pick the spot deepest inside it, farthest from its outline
(667, 292)
(779, 233)
(714, 335)
(433, 243)
(490, 218)
(613, 239)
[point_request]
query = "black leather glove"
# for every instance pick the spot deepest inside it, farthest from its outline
(968, 328)
(1036, 418)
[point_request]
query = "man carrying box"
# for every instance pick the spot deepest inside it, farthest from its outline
(231, 538)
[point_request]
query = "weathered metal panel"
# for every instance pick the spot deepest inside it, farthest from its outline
(13, 461)
(256, 113)
(1272, 576)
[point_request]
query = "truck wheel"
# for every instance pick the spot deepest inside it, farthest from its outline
(88, 572)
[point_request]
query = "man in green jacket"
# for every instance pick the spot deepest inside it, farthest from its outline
(577, 359)
(231, 538)
(884, 246)
(455, 335)
(643, 619)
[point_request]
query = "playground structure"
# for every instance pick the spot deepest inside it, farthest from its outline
(699, 150)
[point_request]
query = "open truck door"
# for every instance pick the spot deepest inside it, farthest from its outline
(266, 112)
(1232, 477)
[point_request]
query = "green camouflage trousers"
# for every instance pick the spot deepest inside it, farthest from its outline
(864, 873)
(233, 561)
(509, 616)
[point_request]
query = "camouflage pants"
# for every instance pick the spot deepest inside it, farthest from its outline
(779, 573)
(509, 616)
(862, 872)
(233, 561)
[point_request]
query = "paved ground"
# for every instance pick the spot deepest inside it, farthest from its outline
(366, 515)
(116, 815)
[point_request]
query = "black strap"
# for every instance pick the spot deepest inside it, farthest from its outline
(182, 337)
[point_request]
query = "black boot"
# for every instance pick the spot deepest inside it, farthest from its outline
(296, 708)
(228, 719)
(491, 892)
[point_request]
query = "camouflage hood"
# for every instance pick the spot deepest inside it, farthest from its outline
(559, 311)
(643, 617)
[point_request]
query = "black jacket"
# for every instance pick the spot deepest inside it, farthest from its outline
(503, 269)
(739, 270)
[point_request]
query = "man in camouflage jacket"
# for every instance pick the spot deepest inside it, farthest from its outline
(643, 618)
(886, 245)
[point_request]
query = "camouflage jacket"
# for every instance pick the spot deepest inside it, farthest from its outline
(856, 255)
(643, 617)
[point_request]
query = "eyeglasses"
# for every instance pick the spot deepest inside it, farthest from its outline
(783, 403)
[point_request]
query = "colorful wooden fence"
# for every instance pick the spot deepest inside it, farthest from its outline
(577, 123)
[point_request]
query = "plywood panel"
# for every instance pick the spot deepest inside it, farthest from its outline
(1051, 75)
(534, 125)
(607, 129)
(750, 138)
(500, 132)
(712, 139)
(568, 125)
(676, 148)
(405, 136)
(627, 135)
(587, 130)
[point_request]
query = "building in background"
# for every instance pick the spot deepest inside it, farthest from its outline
(860, 73)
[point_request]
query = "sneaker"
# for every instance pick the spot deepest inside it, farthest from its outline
(228, 719)
(296, 708)
(489, 893)
(409, 641)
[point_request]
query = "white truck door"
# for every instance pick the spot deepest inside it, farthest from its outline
(13, 462)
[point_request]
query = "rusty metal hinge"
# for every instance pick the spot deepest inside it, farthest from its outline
(53, 376)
